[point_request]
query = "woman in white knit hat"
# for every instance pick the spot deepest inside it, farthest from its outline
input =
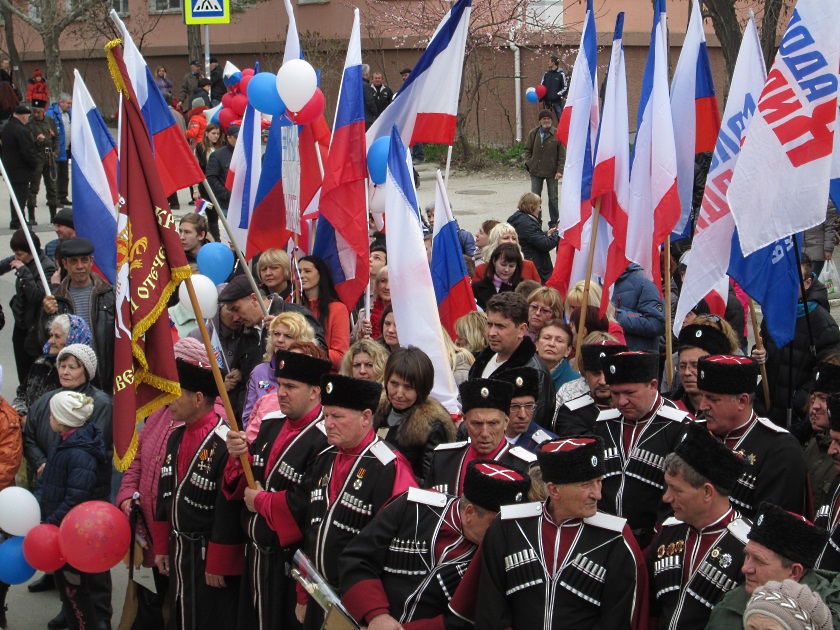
(786, 605)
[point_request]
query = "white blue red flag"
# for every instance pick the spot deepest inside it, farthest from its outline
(95, 166)
(175, 160)
(244, 175)
(654, 200)
(781, 182)
(708, 261)
(611, 177)
(201, 206)
(342, 236)
(695, 112)
(412, 290)
(453, 289)
(425, 109)
(834, 186)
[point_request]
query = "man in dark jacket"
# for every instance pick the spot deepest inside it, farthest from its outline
(371, 112)
(556, 86)
(218, 165)
(382, 94)
(62, 113)
(639, 309)
(544, 157)
(217, 82)
(19, 159)
(536, 245)
(45, 133)
(509, 346)
(87, 295)
(188, 84)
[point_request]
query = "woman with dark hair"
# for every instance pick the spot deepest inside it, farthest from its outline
(320, 297)
(214, 138)
(592, 321)
(503, 273)
(8, 100)
(415, 424)
(389, 337)
(482, 237)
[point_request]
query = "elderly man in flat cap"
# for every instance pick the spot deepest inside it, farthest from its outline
(409, 560)
(696, 558)
(347, 485)
(638, 434)
(562, 563)
(728, 386)
(782, 546)
(285, 448)
(486, 404)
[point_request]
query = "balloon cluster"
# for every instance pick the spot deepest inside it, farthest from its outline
(535, 94)
(377, 162)
(93, 537)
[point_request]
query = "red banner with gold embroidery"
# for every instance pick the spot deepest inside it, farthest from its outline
(150, 264)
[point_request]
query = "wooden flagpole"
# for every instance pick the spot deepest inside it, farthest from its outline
(760, 346)
(669, 357)
(584, 305)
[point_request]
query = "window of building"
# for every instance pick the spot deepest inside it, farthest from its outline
(165, 6)
(544, 13)
(120, 6)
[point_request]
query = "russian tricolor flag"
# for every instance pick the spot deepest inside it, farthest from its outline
(412, 290)
(95, 166)
(175, 160)
(654, 200)
(425, 109)
(244, 175)
(453, 289)
(342, 236)
(695, 113)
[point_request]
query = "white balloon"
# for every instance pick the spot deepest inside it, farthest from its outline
(296, 83)
(205, 291)
(19, 511)
(377, 199)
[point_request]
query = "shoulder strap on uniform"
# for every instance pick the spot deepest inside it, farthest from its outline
(740, 528)
(606, 521)
(383, 452)
(523, 454)
(672, 413)
(608, 414)
(521, 510)
(580, 402)
(427, 497)
(450, 445)
(771, 425)
(671, 521)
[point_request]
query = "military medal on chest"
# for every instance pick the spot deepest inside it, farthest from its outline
(359, 476)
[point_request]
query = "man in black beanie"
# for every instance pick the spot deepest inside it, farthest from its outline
(408, 561)
(782, 546)
(485, 403)
(587, 396)
(345, 488)
(728, 386)
(696, 558)
(638, 434)
(562, 563)
(695, 341)
(285, 448)
(828, 514)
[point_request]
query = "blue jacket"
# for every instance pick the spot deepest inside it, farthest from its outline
(525, 440)
(54, 112)
(639, 309)
(75, 468)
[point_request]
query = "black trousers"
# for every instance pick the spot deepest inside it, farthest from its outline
(74, 588)
(21, 190)
(63, 182)
(23, 360)
(150, 606)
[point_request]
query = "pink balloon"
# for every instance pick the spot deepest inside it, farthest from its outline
(243, 84)
(94, 536)
(541, 91)
(226, 117)
(42, 548)
(248, 72)
(240, 102)
(310, 111)
(227, 99)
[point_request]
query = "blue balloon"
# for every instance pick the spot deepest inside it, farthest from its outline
(377, 159)
(215, 261)
(531, 95)
(14, 569)
(263, 96)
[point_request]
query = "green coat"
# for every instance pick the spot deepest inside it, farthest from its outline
(729, 613)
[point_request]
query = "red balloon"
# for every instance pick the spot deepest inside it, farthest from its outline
(226, 117)
(541, 91)
(42, 548)
(310, 111)
(94, 536)
(227, 99)
(243, 84)
(248, 72)
(240, 102)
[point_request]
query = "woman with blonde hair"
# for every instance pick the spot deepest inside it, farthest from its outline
(544, 303)
(274, 272)
(365, 360)
(471, 332)
(536, 244)
(284, 330)
(574, 298)
(460, 359)
(381, 300)
(504, 233)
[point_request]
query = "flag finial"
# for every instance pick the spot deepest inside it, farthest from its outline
(116, 75)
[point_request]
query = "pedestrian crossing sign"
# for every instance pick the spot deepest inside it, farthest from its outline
(207, 11)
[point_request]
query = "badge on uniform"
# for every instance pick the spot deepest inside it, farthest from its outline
(715, 552)
(359, 476)
(169, 459)
(725, 560)
(660, 551)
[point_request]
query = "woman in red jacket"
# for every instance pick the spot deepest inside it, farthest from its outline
(36, 88)
(320, 297)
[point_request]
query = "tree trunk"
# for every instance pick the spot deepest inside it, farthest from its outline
(14, 56)
(54, 68)
(728, 31)
(194, 42)
(769, 25)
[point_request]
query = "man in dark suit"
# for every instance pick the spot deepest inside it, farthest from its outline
(19, 158)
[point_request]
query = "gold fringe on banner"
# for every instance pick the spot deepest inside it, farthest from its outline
(116, 75)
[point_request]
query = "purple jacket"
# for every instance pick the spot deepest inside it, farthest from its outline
(260, 383)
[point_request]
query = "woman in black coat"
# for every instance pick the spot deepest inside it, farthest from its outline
(536, 245)
(503, 273)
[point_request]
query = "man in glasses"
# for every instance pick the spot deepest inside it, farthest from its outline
(521, 430)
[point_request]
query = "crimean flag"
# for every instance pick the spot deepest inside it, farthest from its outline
(695, 113)
(150, 264)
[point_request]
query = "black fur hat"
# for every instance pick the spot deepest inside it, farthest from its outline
(726, 374)
(709, 457)
(571, 459)
(196, 377)
(491, 485)
(827, 378)
(631, 367)
(525, 381)
(705, 337)
(593, 353)
(486, 393)
(788, 534)
(300, 367)
(350, 393)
